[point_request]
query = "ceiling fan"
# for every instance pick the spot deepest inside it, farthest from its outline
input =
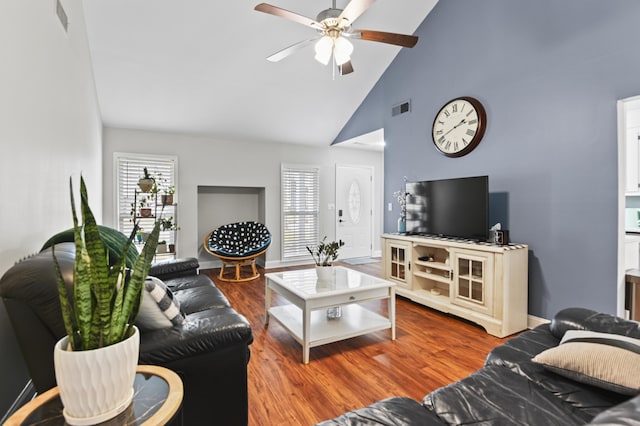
(334, 28)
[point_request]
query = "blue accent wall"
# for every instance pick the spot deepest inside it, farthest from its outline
(549, 73)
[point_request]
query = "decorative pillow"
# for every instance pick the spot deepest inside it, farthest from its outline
(158, 308)
(608, 361)
(240, 239)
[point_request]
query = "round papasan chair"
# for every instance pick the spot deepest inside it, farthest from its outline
(237, 245)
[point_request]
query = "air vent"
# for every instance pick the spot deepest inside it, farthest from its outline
(402, 108)
(62, 15)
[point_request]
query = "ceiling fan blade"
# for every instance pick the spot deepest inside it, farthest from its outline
(288, 51)
(354, 9)
(292, 16)
(346, 68)
(382, 37)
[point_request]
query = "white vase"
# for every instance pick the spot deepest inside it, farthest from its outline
(96, 385)
(325, 273)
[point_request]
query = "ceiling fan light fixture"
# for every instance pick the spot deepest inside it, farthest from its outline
(324, 49)
(342, 50)
(332, 26)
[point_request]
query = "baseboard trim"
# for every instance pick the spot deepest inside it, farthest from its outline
(27, 394)
(533, 321)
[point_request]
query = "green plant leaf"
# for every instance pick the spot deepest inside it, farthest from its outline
(102, 286)
(135, 283)
(66, 307)
(83, 304)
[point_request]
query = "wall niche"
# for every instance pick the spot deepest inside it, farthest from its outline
(219, 205)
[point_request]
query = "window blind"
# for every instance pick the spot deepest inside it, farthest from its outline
(300, 210)
(129, 169)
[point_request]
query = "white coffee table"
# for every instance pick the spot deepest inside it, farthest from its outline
(305, 317)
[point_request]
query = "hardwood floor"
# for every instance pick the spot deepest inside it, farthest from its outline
(431, 350)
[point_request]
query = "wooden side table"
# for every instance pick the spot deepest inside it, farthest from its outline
(157, 397)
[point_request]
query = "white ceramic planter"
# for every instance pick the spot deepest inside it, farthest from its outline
(325, 273)
(96, 385)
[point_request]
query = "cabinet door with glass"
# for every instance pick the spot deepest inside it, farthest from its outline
(472, 281)
(398, 262)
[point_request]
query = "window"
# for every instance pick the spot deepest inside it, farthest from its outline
(300, 209)
(129, 168)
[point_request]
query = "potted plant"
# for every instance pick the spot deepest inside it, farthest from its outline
(167, 224)
(323, 255)
(162, 247)
(162, 184)
(145, 210)
(146, 183)
(98, 315)
(167, 197)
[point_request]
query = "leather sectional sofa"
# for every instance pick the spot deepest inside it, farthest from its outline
(511, 389)
(209, 350)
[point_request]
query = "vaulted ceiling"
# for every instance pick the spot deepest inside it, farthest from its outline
(199, 67)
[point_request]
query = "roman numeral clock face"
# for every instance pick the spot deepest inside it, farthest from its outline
(459, 126)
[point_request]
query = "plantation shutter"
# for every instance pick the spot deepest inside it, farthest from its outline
(129, 169)
(300, 209)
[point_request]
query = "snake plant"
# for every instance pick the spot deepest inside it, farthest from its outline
(106, 295)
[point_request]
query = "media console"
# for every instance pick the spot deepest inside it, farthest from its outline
(480, 282)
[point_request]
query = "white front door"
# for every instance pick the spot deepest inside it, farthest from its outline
(354, 210)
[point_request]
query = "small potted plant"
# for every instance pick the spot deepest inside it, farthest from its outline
(162, 184)
(99, 310)
(167, 197)
(167, 224)
(146, 183)
(145, 210)
(162, 247)
(323, 255)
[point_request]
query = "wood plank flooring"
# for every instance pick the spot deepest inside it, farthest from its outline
(431, 350)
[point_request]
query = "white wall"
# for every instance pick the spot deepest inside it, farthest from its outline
(206, 161)
(50, 125)
(50, 129)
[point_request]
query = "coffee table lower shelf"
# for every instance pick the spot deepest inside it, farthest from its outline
(355, 321)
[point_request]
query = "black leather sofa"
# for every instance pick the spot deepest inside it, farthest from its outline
(512, 390)
(209, 350)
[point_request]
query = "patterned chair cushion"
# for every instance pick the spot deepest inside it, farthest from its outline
(240, 239)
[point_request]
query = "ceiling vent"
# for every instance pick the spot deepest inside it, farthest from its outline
(62, 15)
(401, 108)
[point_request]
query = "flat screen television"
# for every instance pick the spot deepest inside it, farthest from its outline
(457, 208)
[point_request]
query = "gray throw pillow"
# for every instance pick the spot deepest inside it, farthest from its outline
(608, 361)
(158, 307)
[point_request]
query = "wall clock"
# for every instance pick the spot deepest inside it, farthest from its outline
(459, 126)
